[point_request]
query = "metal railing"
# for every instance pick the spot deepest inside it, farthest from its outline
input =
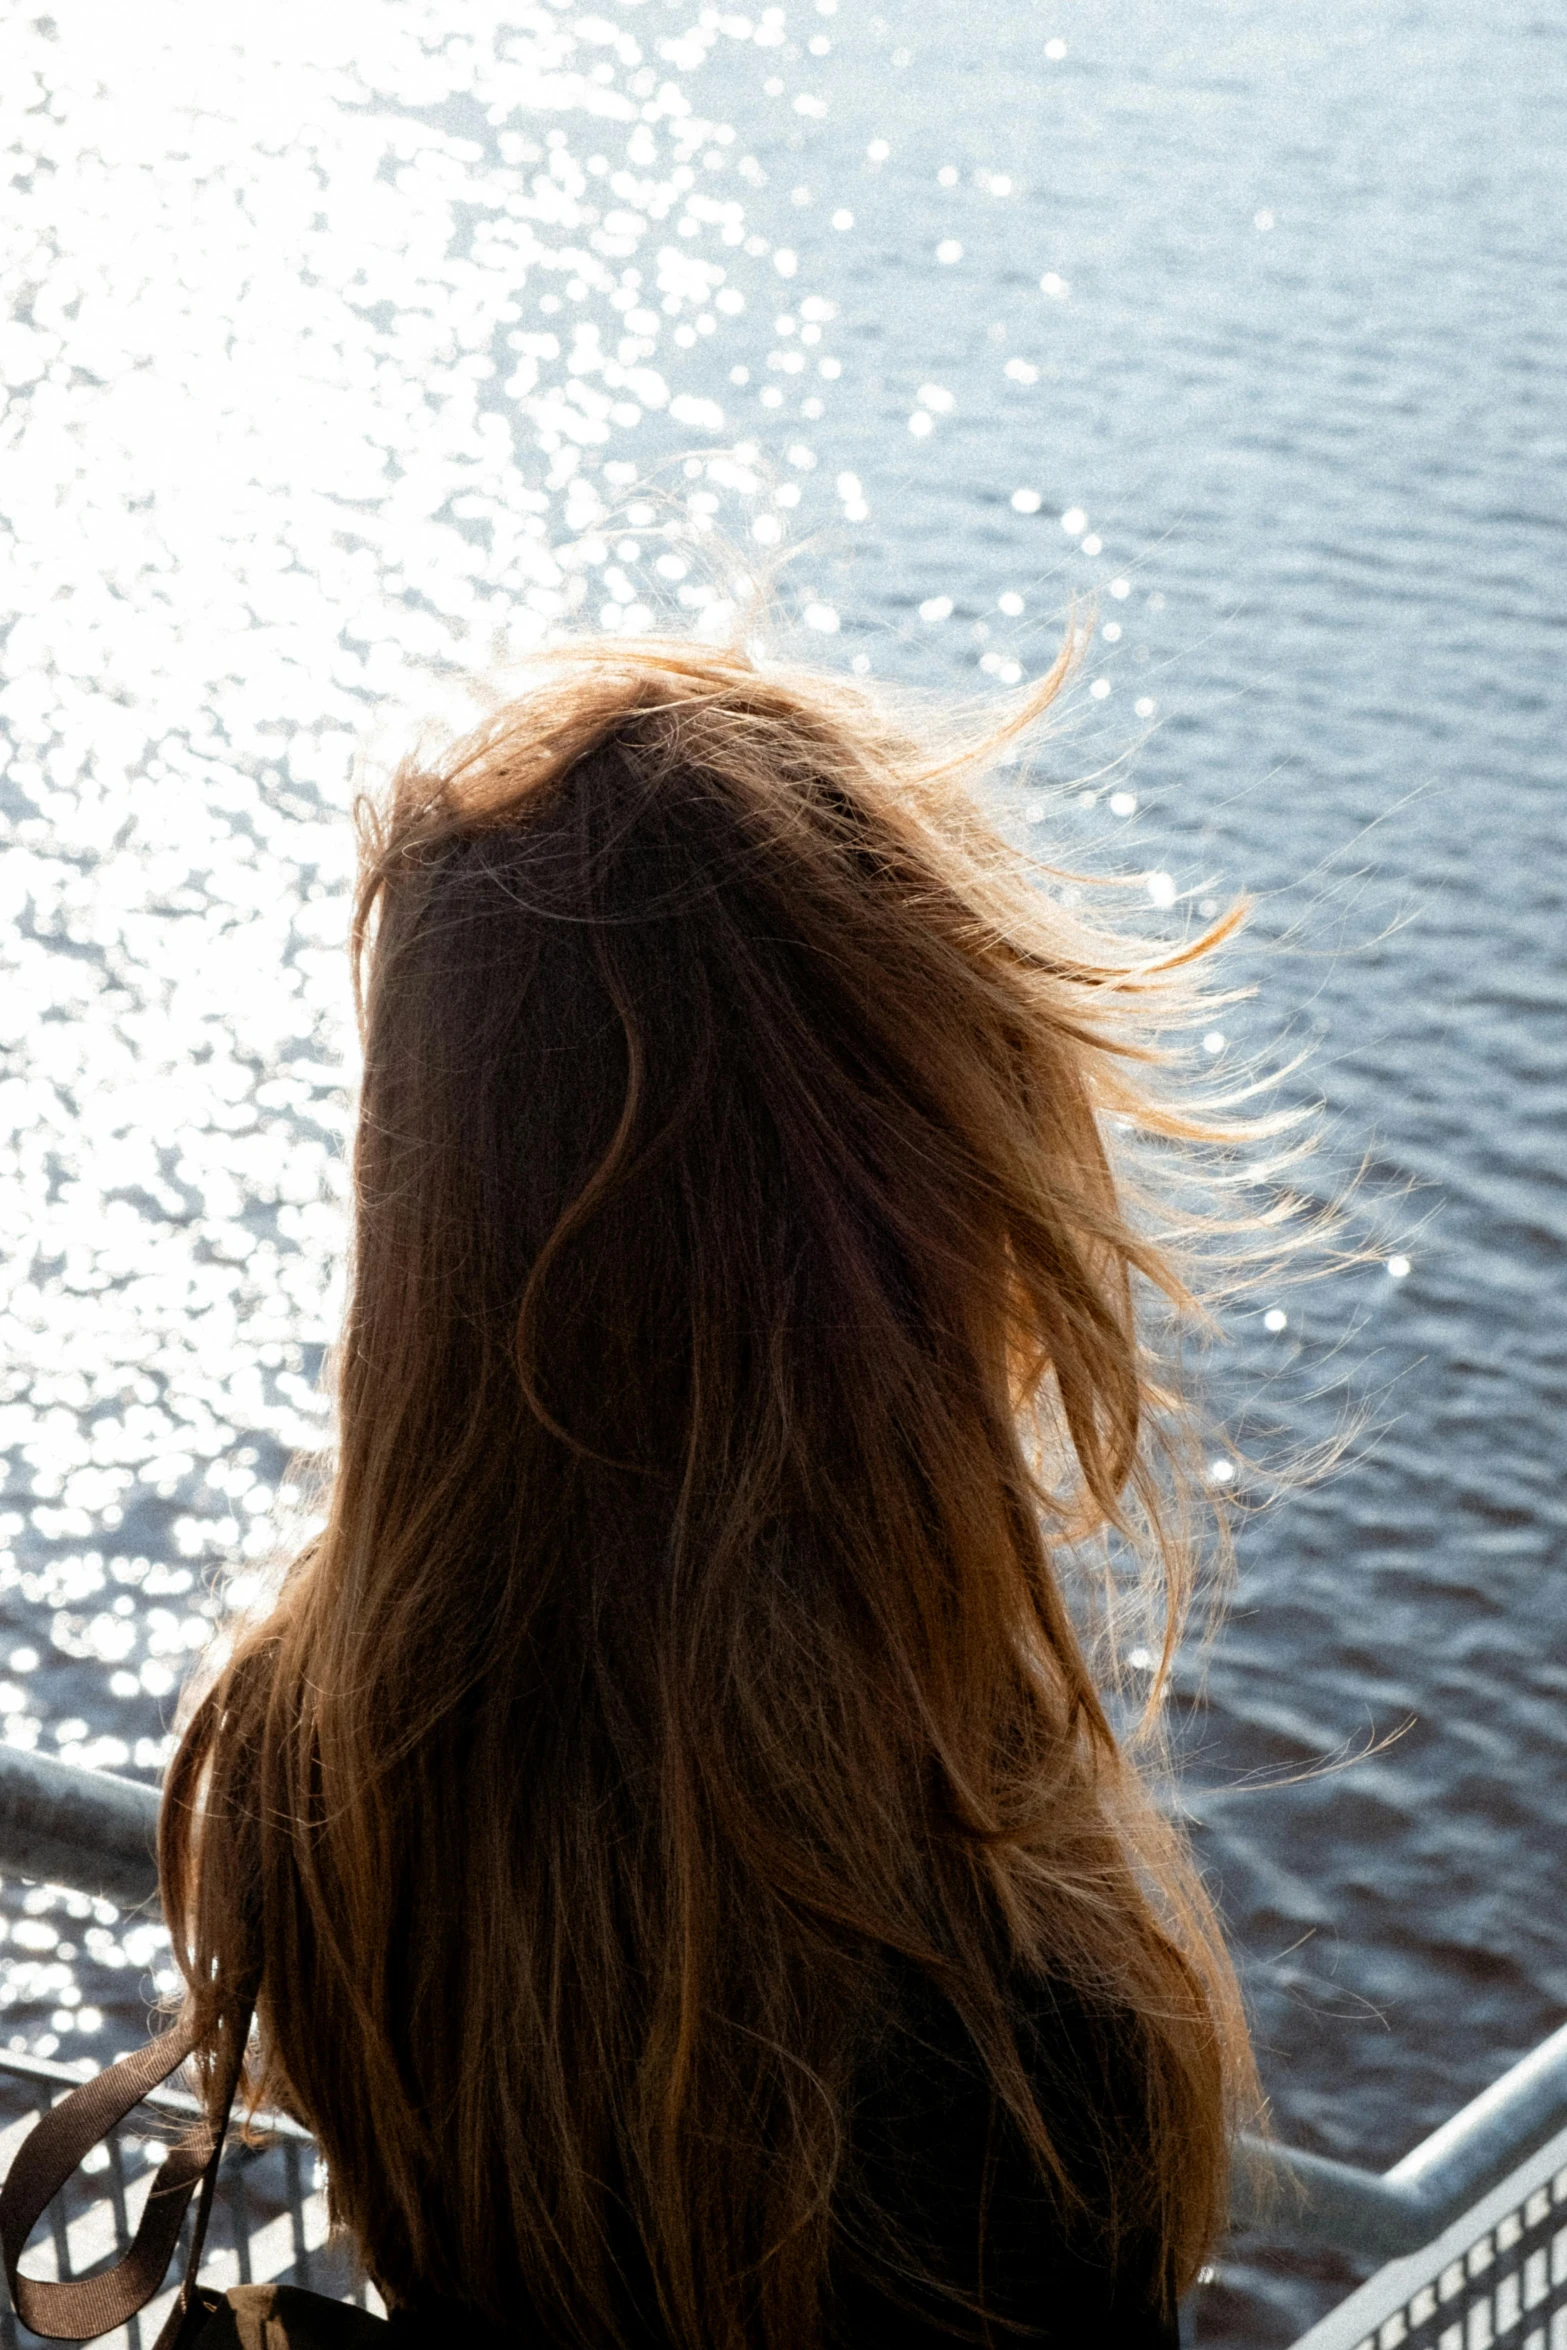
(1471, 2225)
(269, 2216)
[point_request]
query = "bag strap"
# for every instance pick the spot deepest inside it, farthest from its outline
(79, 2308)
(172, 2333)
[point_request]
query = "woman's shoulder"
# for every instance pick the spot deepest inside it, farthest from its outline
(944, 2184)
(1080, 2049)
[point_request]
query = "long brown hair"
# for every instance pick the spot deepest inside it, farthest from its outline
(748, 1314)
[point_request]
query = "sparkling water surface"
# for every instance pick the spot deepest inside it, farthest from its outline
(341, 347)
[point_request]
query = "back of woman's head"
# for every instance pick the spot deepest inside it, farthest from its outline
(744, 1316)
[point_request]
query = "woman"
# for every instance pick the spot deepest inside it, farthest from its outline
(684, 1872)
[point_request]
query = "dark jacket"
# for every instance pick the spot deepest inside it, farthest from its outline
(937, 2158)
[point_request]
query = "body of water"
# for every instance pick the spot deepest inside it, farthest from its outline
(339, 347)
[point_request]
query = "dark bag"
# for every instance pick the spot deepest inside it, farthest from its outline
(251, 2317)
(279, 2317)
